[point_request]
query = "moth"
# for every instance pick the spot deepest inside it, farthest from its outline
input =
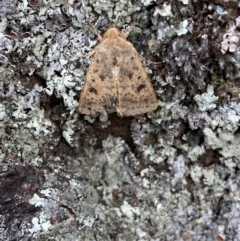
(116, 79)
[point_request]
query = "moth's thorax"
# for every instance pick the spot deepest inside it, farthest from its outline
(112, 33)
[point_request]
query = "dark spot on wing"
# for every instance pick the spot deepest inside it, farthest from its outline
(95, 70)
(93, 80)
(139, 77)
(93, 90)
(114, 61)
(140, 87)
(130, 75)
(102, 77)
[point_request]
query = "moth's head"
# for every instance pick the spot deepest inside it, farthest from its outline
(112, 33)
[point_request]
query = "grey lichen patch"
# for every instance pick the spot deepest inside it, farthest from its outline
(24, 127)
(120, 12)
(112, 195)
(28, 135)
(103, 195)
(108, 172)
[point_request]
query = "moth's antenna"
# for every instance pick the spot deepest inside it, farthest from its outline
(125, 35)
(94, 30)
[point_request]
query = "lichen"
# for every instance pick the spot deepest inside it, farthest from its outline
(167, 175)
(226, 142)
(207, 100)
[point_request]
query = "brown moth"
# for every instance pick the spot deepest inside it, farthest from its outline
(116, 79)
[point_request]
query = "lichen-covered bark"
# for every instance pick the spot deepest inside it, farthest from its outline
(169, 175)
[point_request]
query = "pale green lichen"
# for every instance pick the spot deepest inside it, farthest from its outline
(2, 112)
(185, 2)
(182, 28)
(129, 211)
(165, 152)
(147, 2)
(164, 11)
(39, 124)
(179, 170)
(68, 132)
(196, 173)
(193, 152)
(231, 163)
(39, 44)
(227, 118)
(37, 201)
(227, 142)
(206, 101)
(39, 225)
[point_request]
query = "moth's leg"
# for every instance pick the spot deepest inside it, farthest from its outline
(80, 55)
(148, 61)
(95, 30)
(125, 35)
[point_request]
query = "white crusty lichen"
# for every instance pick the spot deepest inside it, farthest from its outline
(179, 170)
(114, 147)
(7, 45)
(206, 101)
(227, 143)
(227, 117)
(29, 126)
(182, 28)
(39, 124)
(196, 173)
(68, 131)
(231, 163)
(62, 88)
(185, 2)
(2, 112)
(193, 152)
(41, 223)
(37, 201)
(129, 211)
(40, 44)
(165, 10)
(52, 52)
(147, 2)
(37, 161)
(165, 152)
(212, 179)
(49, 206)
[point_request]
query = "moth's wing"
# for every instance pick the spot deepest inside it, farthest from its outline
(98, 92)
(136, 94)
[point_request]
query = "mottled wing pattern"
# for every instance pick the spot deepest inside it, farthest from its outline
(117, 78)
(98, 90)
(136, 94)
